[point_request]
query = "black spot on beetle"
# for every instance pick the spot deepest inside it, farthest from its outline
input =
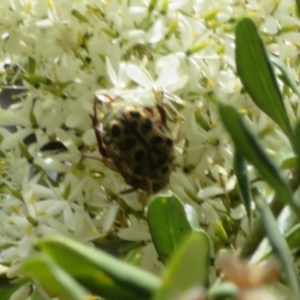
(127, 145)
(130, 127)
(154, 175)
(147, 126)
(121, 147)
(130, 142)
(135, 114)
(138, 170)
(127, 130)
(115, 131)
(156, 140)
(139, 156)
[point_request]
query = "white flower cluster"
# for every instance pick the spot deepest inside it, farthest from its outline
(65, 51)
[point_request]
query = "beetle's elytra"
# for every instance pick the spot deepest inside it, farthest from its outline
(136, 142)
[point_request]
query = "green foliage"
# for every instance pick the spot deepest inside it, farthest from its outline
(54, 280)
(257, 75)
(63, 266)
(7, 288)
(280, 246)
(249, 146)
(99, 272)
(168, 223)
(189, 267)
(241, 172)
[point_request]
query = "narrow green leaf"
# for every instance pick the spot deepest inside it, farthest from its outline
(25, 152)
(297, 144)
(280, 246)
(79, 16)
(288, 218)
(33, 119)
(293, 237)
(99, 272)
(31, 65)
(257, 75)
(23, 292)
(168, 223)
(287, 223)
(36, 80)
(298, 6)
(224, 290)
(52, 278)
(36, 295)
(289, 163)
(188, 267)
(241, 173)
(248, 145)
(8, 286)
(286, 76)
(7, 290)
(221, 234)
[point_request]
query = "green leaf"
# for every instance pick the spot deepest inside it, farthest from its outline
(31, 65)
(224, 290)
(286, 76)
(289, 163)
(249, 146)
(288, 218)
(79, 16)
(36, 80)
(7, 290)
(52, 278)
(25, 152)
(168, 223)
(99, 272)
(192, 217)
(221, 234)
(293, 237)
(257, 75)
(288, 225)
(188, 267)
(241, 173)
(297, 144)
(36, 295)
(280, 246)
(298, 6)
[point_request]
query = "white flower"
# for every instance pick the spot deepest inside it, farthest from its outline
(136, 231)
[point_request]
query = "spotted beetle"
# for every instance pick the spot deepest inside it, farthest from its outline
(136, 142)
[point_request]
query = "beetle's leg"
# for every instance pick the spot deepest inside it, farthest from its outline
(176, 133)
(150, 111)
(163, 115)
(97, 129)
(105, 95)
(106, 161)
(128, 191)
(84, 155)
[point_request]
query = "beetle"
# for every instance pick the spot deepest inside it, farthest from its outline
(136, 142)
